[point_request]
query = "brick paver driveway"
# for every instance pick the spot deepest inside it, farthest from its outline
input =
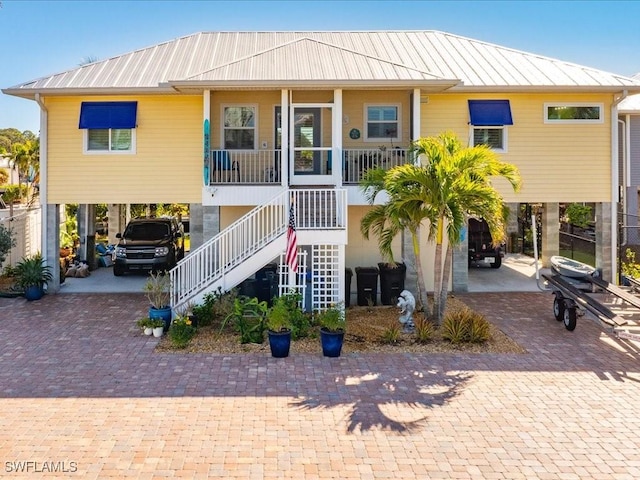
(84, 394)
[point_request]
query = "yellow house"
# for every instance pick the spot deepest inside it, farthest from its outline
(242, 125)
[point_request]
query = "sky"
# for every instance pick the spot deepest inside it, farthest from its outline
(39, 38)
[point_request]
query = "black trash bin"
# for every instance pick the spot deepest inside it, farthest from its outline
(348, 274)
(248, 288)
(367, 279)
(391, 282)
(266, 285)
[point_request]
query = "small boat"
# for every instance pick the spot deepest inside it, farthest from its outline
(568, 267)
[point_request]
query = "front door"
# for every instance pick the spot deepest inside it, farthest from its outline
(310, 140)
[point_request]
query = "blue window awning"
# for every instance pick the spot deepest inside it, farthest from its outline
(108, 114)
(490, 113)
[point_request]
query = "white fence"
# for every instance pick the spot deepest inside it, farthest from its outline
(26, 227)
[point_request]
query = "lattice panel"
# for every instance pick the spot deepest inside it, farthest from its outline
(283, 275)
(325, 276)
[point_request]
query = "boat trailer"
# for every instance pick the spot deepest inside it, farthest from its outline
(576, 293)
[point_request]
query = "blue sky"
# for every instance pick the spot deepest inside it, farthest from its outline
(44, 37)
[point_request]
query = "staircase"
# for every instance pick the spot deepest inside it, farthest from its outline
(254, 240)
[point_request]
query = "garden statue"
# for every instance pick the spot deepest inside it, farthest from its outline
(407, 305)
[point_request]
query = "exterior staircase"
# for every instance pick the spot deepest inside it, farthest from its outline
(254, 240)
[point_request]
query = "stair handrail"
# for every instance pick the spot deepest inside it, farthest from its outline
(228, 248)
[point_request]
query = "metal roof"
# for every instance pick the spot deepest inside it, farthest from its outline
(255, 59)
(630, 104)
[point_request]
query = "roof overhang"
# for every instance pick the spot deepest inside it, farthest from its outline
(75, 92)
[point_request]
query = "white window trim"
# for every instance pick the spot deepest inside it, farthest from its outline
(572, 104)
(85, 143)
(505, 136)
(365, 137)
(254, 128)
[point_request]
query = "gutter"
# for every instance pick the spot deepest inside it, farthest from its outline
(615, 188)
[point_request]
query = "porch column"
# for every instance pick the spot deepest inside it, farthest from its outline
(196, 225)
(82, 216)
(284, 137)
(210, 222)
(550, 232)
(460, 265)
(512, 228)
(336, 139)
(116, 221)
(51, 253)
(604, 252)
(415, 120)
(206, 135)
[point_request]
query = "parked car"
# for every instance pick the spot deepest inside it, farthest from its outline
(481, 248)
(149, 244)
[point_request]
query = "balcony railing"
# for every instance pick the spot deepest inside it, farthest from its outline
(263, 167)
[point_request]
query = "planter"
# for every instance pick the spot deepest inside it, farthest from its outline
(33, 292)
(148, 330)
(162, 313)
(157, 331)
(331, 342)
(280, 343)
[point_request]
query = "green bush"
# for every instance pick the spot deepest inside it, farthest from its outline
(215, 306)
(299, 321)
(465, 326)
(14, 193)
(424, 330)
(181, 332)
(7, 242)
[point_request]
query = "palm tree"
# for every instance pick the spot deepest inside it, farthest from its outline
(451, 184)
(26, 158)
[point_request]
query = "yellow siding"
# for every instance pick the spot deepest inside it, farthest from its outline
(166, 168)
(567, 163)
(361, 252)
(353, 103)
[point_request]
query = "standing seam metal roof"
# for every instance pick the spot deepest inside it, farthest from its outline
(420, 56)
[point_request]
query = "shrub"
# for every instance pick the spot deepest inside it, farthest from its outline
(391, 333)
(299, 321)
(215, 306)
(7, 242)
(333, 318)
(629, 267)
(465, 326)
(181, 332)
(424, 330)
(14, 193)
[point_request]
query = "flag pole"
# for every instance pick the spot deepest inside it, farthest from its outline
(292, 245)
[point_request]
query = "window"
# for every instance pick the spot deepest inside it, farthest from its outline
(109, 127)
(383, 122)
(239, 127)
(489, 119)
(573, 113)
(109, 140)
(494, 137)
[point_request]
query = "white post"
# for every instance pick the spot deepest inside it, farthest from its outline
(336, 138)
(415, 133)
(284, 137)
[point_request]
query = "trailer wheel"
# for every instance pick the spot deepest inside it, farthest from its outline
(558, 308)
(570, 319)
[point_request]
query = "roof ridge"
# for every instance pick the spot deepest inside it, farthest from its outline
(321, 42)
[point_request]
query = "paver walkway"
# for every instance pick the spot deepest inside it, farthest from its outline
(82, 392)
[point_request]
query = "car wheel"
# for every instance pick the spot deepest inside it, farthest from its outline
(497, 263)
(117, 271)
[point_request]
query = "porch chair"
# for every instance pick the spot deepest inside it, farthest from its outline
(221, 162)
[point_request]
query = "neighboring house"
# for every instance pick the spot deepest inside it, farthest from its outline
(629, 168)
(237, 124)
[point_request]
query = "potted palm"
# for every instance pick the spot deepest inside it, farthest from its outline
(32, 275)
(279, 322)
(157, 290)
(332, 325)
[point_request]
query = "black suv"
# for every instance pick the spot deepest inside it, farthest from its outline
(149, 244)
(481, 249)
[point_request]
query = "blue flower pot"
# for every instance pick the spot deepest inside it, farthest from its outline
(280, 342)
(162, 313)
(331, 342)
(33, 292)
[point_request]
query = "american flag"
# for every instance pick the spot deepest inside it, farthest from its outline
(292, 242)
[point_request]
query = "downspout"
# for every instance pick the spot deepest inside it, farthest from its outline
(43, 174)
(615, 190)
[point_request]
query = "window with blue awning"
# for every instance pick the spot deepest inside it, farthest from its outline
(490, 113)
(105, 115)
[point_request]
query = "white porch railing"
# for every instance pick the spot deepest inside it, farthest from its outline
(359, 160)
(244, 167)
(243, 240)
(263, 167)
